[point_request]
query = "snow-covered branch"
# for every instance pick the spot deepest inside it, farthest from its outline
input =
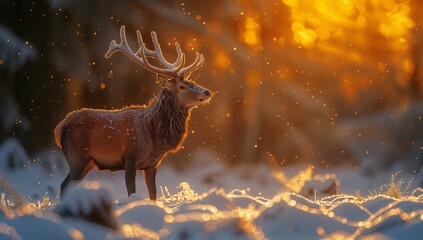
(14, 52)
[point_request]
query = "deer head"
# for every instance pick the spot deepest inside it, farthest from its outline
(172, 76)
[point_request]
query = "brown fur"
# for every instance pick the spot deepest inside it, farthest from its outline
(165, 119)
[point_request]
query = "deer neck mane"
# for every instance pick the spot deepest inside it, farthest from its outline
(168, 121)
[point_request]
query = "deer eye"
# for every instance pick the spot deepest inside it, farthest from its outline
(183, 88)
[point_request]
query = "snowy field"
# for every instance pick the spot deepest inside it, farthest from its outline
(208, 201)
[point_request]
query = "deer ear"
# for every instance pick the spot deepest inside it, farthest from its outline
(164, 81)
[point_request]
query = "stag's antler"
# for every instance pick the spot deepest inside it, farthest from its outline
(175, 69)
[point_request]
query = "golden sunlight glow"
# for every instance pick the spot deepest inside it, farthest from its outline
(168, 218)
(76, 234)
(251, 33)
(302, 35)
(322, 20)
(396, 21)
(376, 35)
(221, 59)
(137, 231)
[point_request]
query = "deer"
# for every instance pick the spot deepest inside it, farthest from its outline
(136, 137)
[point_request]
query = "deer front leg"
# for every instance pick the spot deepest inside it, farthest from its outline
(130, 173)
(150, 181)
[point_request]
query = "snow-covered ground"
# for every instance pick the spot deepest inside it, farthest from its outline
(208, 201)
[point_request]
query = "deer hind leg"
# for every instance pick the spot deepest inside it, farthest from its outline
(78, 168)
(64, 184)
(77, 161)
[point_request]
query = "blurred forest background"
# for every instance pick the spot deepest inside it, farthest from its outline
(323, 82)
